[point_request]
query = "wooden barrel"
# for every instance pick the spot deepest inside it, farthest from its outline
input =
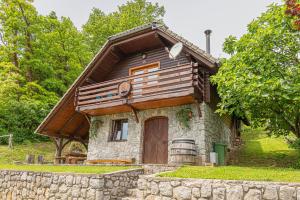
(183, 151)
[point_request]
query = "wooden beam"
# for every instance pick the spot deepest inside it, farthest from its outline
(90, 81)
(116, 51)
(87, 118)
(68, 121)
(206, 88)
(198, 108)
(65, 136)
(77, 129)
(134, 112)
(152, 33)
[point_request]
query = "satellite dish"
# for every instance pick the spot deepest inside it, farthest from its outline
(175, 50)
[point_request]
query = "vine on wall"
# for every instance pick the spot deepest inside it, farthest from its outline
(96, 124)
(184, 116)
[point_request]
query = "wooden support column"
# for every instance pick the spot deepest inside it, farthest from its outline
(60, 144)
(87, 118)
(134, 111)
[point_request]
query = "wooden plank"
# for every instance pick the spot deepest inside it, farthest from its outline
(160, 78)
(102, 89)
(162, 84)
(83, 97)
(102, 105)
(143, 105)
(161, 89)
(170, 69)
(98, 100)
(158, 96)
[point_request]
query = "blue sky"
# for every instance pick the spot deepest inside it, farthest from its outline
(188, 18)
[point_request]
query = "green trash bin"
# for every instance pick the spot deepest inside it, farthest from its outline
(220, 149)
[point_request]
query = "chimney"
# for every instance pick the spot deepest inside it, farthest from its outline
(207, 34)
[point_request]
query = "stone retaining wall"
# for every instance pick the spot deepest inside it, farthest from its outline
(158, 188)
(45, 185)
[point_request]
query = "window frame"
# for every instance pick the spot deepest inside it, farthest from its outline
(113, 132)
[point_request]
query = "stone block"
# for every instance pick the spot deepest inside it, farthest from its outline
(165, 189)
(219, 193)
(206, 190)
(270, 193)
(235, 192)
(253, 194)
(287, 193)
(182, 193)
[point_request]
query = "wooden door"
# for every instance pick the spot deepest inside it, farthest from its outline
(156, 141)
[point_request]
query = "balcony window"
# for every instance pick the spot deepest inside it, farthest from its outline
(119, 130)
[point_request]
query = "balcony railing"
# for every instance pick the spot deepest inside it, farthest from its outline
(166, 83)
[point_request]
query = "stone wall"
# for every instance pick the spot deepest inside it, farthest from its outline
(205, 130)
(44, 185)
(216, 130)
(150, 187)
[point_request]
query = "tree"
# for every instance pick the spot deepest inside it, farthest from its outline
(262, 77)
(293, 9)
(134, 13)
(40, 56)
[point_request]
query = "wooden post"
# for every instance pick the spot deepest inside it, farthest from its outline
(29, 159)
(40, 159)
(10, 139)
(60, 145)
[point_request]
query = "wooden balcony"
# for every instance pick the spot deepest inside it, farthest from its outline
(171, 86)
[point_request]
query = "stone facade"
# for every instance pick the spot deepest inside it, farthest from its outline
(204, 130)
(150, 188)
(43, 185)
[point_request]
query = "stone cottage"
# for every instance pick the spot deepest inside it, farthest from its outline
(145, 88)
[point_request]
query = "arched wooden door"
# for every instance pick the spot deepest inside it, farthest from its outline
(156, 141)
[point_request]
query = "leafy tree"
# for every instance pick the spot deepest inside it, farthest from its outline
(40, 56)
(293, 9)
(262, 76)
(134, 13)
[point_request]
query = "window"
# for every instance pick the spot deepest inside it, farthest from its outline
(119, 130)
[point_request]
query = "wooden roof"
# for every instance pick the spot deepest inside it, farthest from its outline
(63, 121)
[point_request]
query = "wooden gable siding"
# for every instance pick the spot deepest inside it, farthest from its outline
(121, 69)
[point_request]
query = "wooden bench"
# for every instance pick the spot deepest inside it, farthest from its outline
(131, 161)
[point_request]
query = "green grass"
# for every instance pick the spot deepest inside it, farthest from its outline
(261, 158)
(19, 152)
(236, 173)
(261, 150)
(66, 169)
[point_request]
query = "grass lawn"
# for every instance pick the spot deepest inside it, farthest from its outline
(64, 168)
(262, 158)
(236, 173)
(19, 152)
(261, 150)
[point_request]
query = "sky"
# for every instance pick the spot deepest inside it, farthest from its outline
(188, 18)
